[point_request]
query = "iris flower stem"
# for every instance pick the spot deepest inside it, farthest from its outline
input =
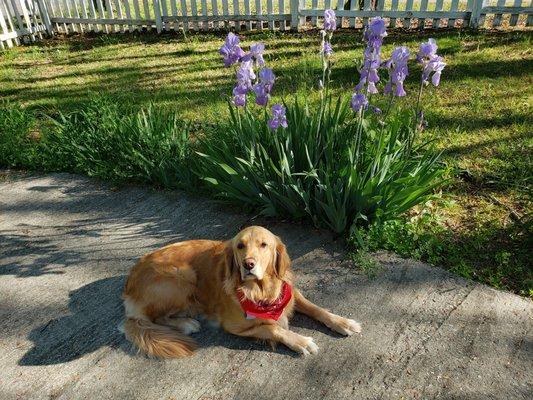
(389, 106)
(417, 113)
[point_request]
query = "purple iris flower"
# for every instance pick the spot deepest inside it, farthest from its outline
(330, 22)
(436, 65)
(245, 75)
(263, 88)
(374, 34)
(261, 94)
(431, 62)
(327, 49)
(267, 78)
(256, 51)
(239, 100)
(278, 117)
(376, 29)
(427, 50)
(230, 50)
(398, 71)
(359, 102)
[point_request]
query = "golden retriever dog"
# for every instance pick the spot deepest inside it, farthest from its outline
(244, 284)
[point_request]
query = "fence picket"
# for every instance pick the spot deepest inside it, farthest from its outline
(20, 24)
(270, 9)
(394, 7)
(26, 16)
(436, 21)
(76, 12)
(205, 24)
(52, 8)
(514, 17)
(366, 7)
(281, 12)
(225, 10)
(407, 21)
(83, 13)
(314, 6)
(340, 7)
(92, 12)
(146, 13)
(454, 6)
(35, 16)
(248, 13)
(497, 21)
(184, 14)
(422, 21)
(194, 13)
(11, 23)
(120, 14)
(101, 12)
(235, 13)
(127, 9)
(258, 13)
(109, 14)
(214, 8)
(164, 13)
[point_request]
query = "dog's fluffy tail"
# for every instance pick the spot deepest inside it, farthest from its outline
(158, 340)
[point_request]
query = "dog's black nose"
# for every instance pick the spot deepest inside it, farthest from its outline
(249, 264)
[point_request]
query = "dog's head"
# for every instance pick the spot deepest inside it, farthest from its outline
(255, 252)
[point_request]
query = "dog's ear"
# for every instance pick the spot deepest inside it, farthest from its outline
(229, 260)
(283, 262)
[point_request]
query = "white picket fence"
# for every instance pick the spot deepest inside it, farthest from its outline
(23, 20)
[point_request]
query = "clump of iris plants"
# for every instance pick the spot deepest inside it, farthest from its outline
(342, 163)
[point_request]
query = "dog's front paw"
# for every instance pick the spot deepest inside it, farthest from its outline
(302, 344)
(344, 326)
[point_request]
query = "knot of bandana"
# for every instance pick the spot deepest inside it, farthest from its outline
(266, 310)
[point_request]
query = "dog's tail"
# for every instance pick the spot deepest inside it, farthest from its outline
(158, 340)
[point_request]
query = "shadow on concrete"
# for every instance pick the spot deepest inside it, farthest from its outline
(95, 314)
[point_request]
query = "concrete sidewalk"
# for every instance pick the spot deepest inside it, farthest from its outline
(67, 243)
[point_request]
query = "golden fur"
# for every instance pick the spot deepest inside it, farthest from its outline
(201, 277)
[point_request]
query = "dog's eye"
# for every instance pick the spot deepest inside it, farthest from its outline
(263, 245)
(240, 246)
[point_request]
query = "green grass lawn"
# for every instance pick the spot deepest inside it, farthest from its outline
(480, 116)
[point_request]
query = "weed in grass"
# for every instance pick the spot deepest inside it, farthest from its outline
(366, 263)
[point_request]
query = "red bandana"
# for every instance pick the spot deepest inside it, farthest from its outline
(266, 310)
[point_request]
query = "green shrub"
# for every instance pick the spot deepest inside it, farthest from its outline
(151, 145)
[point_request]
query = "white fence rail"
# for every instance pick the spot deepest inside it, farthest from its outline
(24, 20)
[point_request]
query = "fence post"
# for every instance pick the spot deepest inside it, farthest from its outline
(45, 17)
(475, 13)
(295, 4)
(157, 12)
